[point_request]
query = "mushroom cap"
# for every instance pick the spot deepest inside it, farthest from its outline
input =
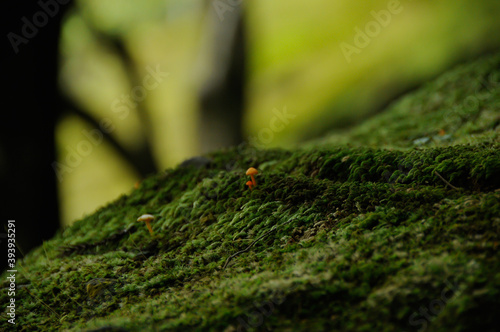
(249, 183)
(252, 171)
(146, 217)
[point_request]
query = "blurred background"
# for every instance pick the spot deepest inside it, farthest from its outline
(143, 85)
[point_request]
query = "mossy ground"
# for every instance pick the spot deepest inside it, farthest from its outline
(358, 231)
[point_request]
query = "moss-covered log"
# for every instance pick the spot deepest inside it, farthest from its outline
(393, 225)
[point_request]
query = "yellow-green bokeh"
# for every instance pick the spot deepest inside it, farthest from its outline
(295, 62)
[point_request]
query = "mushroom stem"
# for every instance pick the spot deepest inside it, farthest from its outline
(148, 225)
(147, 219)
(252, 171)
(249, 184)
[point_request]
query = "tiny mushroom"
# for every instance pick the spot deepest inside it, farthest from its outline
(252, 171)
(249, 184)
(147, 218)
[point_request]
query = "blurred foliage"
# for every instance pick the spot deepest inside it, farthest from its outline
(295, 61)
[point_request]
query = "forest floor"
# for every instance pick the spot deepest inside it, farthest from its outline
(391, 225)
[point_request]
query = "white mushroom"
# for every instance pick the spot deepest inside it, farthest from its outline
(147, 218)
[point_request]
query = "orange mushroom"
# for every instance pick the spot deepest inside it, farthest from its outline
(147, 218)
(252, 171)
(249, 184)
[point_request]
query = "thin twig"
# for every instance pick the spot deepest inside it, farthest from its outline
(435, 172)
(45, 251)
(135, 245)
(36, 297)
(254, 242)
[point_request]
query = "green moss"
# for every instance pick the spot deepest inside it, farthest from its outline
(463, 103)
(358, 236)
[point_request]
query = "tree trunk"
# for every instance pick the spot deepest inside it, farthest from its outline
(31, 107)
(222, 93)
